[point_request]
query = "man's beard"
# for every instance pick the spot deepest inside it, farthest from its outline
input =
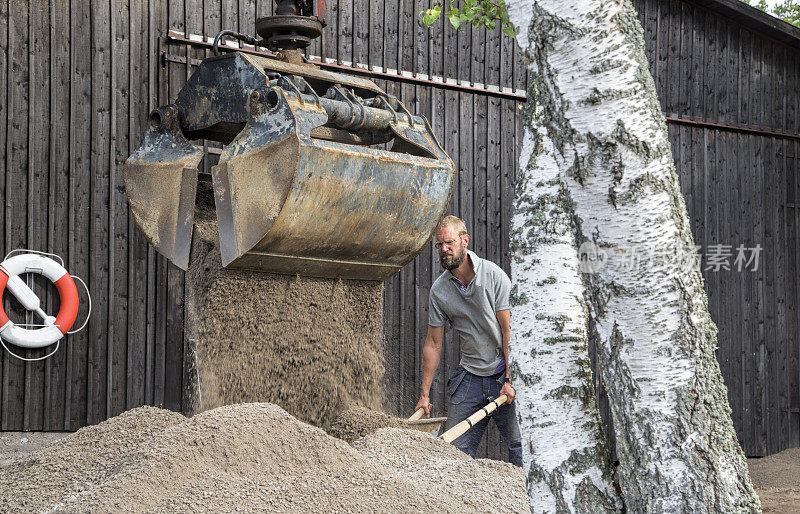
(451, 263)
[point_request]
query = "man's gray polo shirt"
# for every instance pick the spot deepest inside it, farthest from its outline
(472, 313)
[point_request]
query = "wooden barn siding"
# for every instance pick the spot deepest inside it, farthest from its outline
(62, 188)
(739, 189)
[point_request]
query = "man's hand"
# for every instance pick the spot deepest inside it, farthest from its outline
(425, 403)
(508, 391)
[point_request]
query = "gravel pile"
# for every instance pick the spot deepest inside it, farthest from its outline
(79, 461)
(777, 481)
(441, 471)
(356, 422)
(252, 457)
(781, 470)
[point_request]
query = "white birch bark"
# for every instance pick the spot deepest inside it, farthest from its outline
(564, 453)
(677, 448)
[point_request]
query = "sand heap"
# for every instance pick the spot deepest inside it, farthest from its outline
(356, 422)
(311, 345)
(777, 480)
(252, 457)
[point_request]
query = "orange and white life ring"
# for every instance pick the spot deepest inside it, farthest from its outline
(54, 327)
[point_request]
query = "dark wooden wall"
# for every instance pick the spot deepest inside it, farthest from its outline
(740, 188)
(77, 82)
(79, 79)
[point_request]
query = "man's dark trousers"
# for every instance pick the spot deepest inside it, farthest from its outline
(468, 393)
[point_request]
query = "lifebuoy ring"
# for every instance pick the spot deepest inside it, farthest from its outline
(55, 328)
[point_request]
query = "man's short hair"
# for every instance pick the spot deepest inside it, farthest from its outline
(455, 222)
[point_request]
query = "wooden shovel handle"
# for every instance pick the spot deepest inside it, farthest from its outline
(468, 423)
(417, 415)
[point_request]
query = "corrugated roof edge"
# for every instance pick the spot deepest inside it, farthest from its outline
(755, 19)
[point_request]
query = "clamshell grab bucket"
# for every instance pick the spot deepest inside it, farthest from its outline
(323, 174)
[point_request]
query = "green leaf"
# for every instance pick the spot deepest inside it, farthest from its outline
(508, 30)
(468, 14)
(430, 16)
(454, 20)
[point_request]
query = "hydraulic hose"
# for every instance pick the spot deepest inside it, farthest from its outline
(245, 38)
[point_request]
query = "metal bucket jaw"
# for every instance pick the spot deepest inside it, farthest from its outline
(161, 183)
(256, 171)
(288, 202)
(306, 184)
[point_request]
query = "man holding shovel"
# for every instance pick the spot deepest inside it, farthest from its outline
(473, 296)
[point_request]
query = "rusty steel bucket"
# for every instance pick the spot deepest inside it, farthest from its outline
(323, 174)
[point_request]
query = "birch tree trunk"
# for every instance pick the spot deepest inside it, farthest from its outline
(677, 448)
(563, 449)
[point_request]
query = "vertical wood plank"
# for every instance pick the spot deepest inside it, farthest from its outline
(247, 16)
(783, 426)
(750, 291)
(15, 198)
(452, 145)
(136, 357)
(159, 315)
(478, 218)
(5, 120)
(407, 21)
(361, 28)
(77, 393)
(212, 12)
(709, 98)
(344, 35)
(99, 370)
(735, 308)
(229, 15)
(662, 48)
(391, 35)
(768, 379)
(376, 34)
(153, 93)
(672, 79)
(793, 78)
(37, 202)
(56, 367)
(174, 366)
(119, 218)
(330, 44)
(738, 317)
(794, 350)
(697, 53)
(772, 289)
(450, 52)
(760, 332)
(464, 36)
